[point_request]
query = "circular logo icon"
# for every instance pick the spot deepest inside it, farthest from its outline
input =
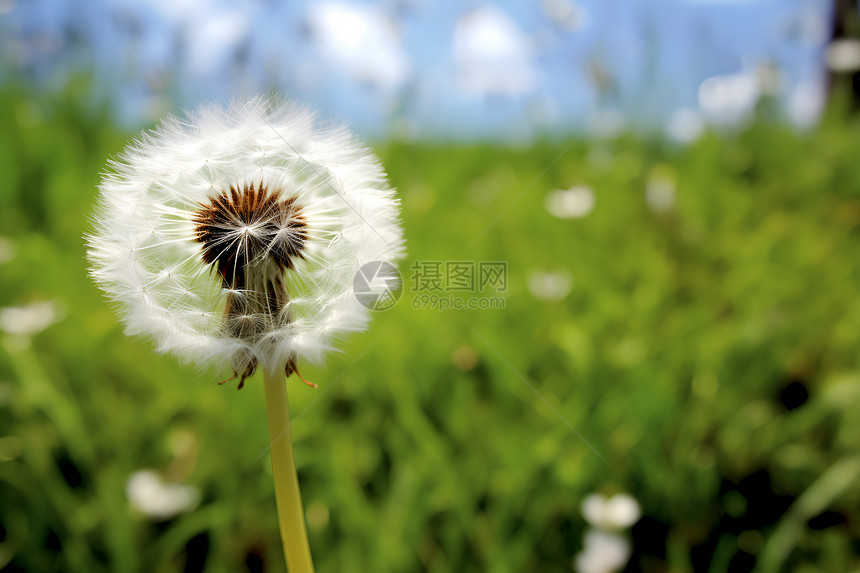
(377, 285)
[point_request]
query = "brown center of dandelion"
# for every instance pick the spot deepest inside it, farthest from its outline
(244, 229)
(251, 236)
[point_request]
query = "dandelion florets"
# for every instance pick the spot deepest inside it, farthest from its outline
(241, 229)
(232, 237)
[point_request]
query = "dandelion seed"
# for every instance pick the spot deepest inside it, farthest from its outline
(232, 237)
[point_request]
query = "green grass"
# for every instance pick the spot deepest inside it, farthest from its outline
(669, 357)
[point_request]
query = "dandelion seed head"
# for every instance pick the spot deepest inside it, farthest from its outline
(231, 236)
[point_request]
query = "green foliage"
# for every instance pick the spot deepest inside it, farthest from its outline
(706, 359)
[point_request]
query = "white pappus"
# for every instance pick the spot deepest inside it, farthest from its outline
(231, 237)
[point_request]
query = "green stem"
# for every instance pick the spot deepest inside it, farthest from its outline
(290, 514)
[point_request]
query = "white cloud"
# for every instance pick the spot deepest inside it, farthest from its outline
(360, 41)
(214, 37)
(211, 29)
(492, 55)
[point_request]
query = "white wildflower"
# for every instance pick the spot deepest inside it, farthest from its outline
(30, 319)
(603, 552)
(617, 512)
(149, 494)
(729, 99)
(550, 285)
(660, 193)
(232, 237)
(843, 55)
(7, 250)
(578, 201)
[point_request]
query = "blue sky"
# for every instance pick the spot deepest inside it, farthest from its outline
(445, 69)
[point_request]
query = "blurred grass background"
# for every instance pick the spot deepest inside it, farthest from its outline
(707, 353)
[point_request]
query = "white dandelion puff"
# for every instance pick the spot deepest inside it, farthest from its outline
(231, 237)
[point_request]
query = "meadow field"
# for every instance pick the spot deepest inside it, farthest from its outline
(685, 330)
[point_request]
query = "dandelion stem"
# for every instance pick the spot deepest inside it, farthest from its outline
(290, 514)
